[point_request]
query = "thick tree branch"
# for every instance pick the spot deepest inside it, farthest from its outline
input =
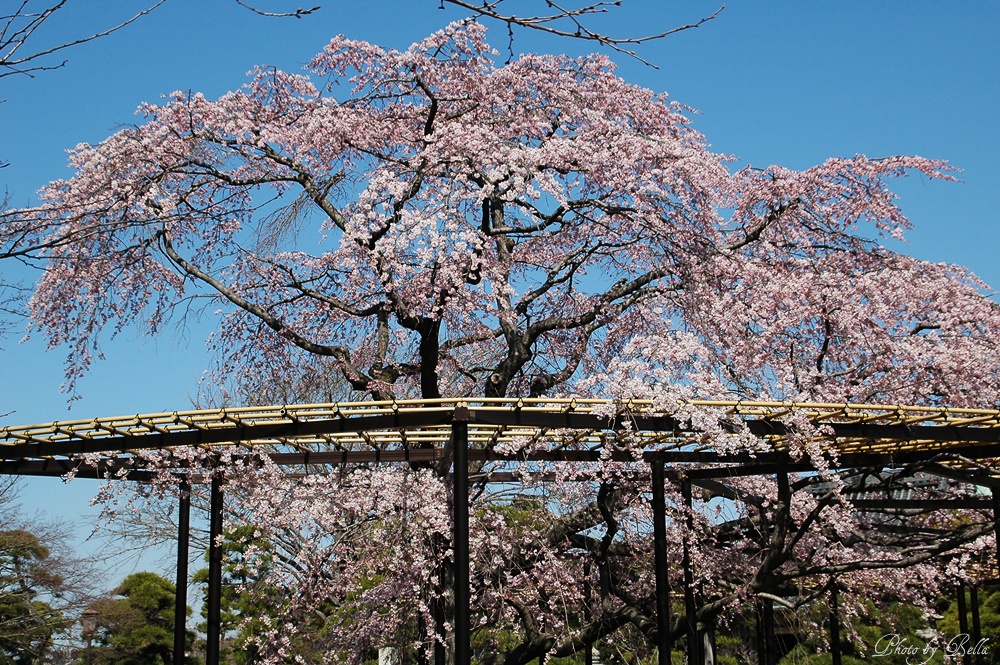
(357, 378)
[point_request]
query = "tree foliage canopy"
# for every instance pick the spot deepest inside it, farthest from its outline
(427, 222)
(135, 626)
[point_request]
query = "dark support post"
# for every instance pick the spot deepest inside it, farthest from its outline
(213, 632)
(180, 599)
(772, 642)
(767, 614)
(660, 562)
(588, 653)
(977, 627)
(460, 439)
(422, 656)
(694, 653)
(963, 621)
(766, 619)
(996, 523)
(835, 625)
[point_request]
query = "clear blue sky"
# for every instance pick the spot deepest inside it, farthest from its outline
(784, 82)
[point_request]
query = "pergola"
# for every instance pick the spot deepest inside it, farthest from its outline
(962, 444)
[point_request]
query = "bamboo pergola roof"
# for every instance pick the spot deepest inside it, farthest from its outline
(714, 439)
(521, 429)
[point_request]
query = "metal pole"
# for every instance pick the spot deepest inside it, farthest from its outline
(996, 523)
(423, 657)
(460, 438)
(213, 633)
(660, 561)
(772, 642)
(180, 598)
(963, 621)
(785, 499)
(835, 625)
(694, 655)
(977, 627)
(588, 653)
(765, 625)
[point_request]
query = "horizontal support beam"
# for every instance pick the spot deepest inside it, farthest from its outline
(707, 478)
(880, 505)
(757, 427)
(720, 465)
(58, 468)
(221, 435)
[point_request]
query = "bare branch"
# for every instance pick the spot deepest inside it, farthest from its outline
(298, 13)
(13, 37)
(552, 23)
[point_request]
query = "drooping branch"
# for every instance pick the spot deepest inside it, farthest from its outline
(316, 191)
(950, 541)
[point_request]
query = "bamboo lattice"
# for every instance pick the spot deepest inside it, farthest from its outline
(539, 424)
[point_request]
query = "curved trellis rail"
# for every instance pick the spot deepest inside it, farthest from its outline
(960, 444)
(547, 425)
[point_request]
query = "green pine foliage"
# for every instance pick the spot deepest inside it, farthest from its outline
(136, 625)
(242, 614)
(28, 622)
(989, 624)
(887, 634)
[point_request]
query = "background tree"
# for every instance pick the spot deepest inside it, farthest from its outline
(28, 623)
(950, 629)
(43, 584)
(244, 615)
(136, 625)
